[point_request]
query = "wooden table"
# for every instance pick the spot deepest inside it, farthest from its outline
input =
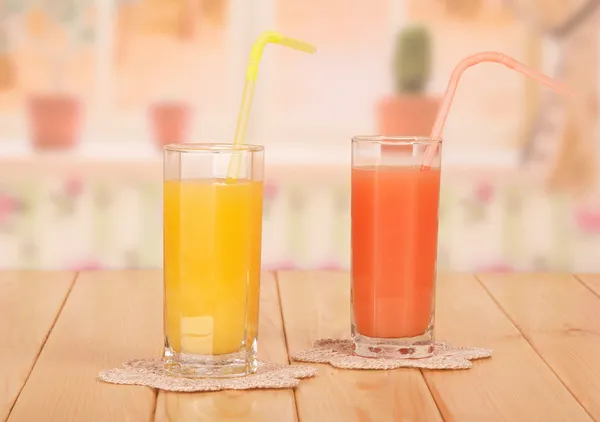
(59, 329)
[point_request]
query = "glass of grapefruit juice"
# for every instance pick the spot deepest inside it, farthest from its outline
(212, 254)
(394, 246)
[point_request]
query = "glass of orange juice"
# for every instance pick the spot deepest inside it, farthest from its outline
(212, 255)
(394, 246)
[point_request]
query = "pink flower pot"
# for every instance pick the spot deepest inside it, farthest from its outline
(170, 123)
(55, 122)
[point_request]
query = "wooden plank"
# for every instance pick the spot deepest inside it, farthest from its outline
(109, 317)
(317, 305)
(30, 303)
(514, 385)
(253, 405)
(559, 317)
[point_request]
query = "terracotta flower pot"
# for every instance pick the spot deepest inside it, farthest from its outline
(407, 115)
(170, 123)
(55, 122)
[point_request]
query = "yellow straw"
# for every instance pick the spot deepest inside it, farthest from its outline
(251, 75)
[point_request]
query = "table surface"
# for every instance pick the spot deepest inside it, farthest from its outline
(60, 329)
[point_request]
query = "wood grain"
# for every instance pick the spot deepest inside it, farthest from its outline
(515, 385)
(30, 303)
(317, 305)
(546, 371)
(559, 317)
(592, 281)
(109, 317)
(253, 405)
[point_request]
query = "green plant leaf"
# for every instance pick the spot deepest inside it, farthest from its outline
(412, 59)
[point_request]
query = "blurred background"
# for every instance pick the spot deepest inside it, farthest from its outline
(90, 90)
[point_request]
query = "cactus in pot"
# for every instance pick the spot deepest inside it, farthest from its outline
(410, 112)
(11, 17)
(55, 114)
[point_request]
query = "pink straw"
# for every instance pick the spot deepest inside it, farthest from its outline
(466, 63)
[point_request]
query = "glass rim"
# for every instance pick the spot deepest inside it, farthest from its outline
(211, 147)
(396, 140)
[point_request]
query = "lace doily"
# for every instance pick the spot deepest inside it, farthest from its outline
(340, 354)
(151, 373)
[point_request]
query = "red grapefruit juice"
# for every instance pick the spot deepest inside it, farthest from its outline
(394, 249)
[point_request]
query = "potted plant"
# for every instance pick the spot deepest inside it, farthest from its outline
(170, 115)
(10, 13)
(55, 116)
(410, 112)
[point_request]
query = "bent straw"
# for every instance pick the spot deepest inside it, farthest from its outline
(486, 56)
(251, 75)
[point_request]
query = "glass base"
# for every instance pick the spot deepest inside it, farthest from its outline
(235, 364)
(394, 348)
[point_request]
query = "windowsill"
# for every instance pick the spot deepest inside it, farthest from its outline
(284, 155)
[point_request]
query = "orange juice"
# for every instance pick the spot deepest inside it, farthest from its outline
(212, 253)
(394, 249)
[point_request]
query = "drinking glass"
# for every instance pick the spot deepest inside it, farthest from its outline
(394, 246)
(212, 255)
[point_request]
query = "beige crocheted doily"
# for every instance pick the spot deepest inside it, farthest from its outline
(340, 354)
(152, 373)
